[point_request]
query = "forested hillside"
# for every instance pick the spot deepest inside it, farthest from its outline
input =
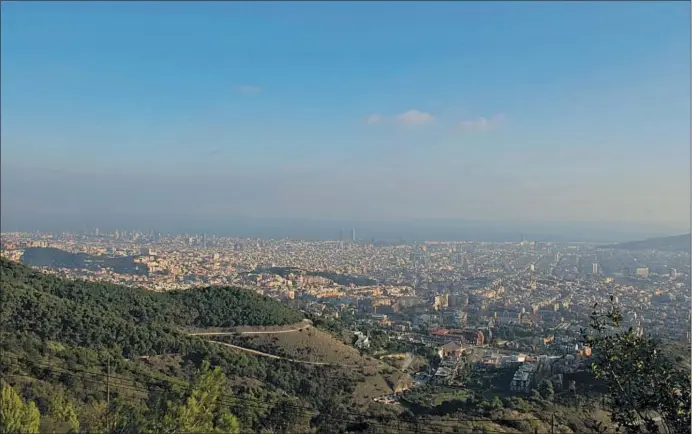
(58, 337)
(206, 307)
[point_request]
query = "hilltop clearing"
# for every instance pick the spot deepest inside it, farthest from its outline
(372, 377)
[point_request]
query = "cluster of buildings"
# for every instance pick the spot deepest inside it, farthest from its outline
(426, 286)
(479, 306)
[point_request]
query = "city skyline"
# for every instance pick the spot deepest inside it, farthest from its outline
(418, 112)
(368, 232)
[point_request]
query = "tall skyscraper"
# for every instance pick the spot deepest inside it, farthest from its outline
(353, 235)
(464, 263)
(463, 301)
(595, 268)
(642, 272)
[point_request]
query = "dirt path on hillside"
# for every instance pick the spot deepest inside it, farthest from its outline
(305, 325)
(272, 356)
(296, 328)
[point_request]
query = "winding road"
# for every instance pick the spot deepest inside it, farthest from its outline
(306, 324)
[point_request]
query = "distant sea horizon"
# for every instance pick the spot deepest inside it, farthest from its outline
(387, 231)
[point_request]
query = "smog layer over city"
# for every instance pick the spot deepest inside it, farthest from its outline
(345, 217)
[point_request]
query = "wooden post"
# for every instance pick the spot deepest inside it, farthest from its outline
(108, 392)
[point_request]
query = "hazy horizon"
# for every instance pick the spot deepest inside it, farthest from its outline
(311, 229)
(568, 120)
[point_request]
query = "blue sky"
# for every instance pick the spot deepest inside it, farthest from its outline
(368, 111)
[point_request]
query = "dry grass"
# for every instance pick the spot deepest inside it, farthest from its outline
(309, 344)
(374, 377)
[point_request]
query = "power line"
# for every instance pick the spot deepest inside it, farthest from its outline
(113, 377)
(245, 401)
(427, 428)
(168, 383)
(157, 382)
(160, 384)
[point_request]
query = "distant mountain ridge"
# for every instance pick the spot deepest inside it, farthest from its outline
(676, 243)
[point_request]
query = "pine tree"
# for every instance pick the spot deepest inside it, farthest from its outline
(545, 388)
(202, 411)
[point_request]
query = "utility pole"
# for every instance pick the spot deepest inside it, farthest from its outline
(552, 423)
(108, 392)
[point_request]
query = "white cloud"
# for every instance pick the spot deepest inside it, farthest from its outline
(248, 89)
(410, 117)
(415, 117)
(481, 124)
(374, 119)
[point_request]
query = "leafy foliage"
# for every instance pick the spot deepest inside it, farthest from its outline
(202, 411)
(63, 413)
(206, 307)
(16, 417)
(545, 388)
(227, 307)
(647, 390)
